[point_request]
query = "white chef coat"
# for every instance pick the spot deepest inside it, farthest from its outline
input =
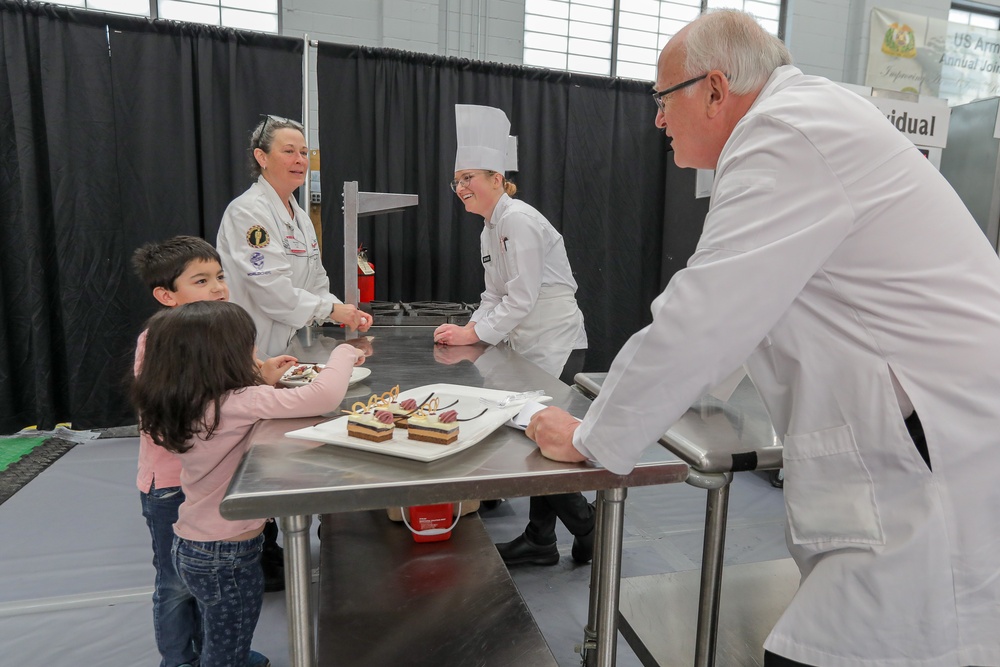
(833, 256)
(273, 266)
(530, 290)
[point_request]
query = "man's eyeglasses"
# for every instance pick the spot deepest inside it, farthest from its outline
(464, 181)
(659, 95)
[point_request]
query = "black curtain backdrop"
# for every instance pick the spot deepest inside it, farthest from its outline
(114, 131)
(590, 159)
(683, 219)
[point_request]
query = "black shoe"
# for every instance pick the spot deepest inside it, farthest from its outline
(491, 504)
(274, 577)
(583, 548)
(522, 551)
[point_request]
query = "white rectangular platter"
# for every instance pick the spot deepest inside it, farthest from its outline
(470, 432)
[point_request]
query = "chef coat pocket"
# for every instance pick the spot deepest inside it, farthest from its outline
(829, 494)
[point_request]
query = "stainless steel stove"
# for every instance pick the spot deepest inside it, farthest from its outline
(418, 313)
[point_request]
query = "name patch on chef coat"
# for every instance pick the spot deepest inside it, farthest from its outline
(257, 237)
(486, 259)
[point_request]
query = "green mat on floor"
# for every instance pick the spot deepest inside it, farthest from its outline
(23, 459)
(14, 449)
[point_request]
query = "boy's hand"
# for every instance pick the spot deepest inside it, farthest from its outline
(272, 369)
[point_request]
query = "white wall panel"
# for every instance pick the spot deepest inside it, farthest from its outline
(826, 37)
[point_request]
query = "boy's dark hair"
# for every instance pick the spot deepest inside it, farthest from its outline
(159, 264)
(195, 355)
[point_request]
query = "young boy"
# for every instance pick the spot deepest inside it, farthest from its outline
(180, 270)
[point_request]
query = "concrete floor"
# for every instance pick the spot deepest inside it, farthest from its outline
(75, 572)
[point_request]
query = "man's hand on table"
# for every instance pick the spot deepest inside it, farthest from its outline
(452, 334)
(552, 429)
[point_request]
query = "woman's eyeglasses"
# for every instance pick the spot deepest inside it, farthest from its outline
(464, 181)
(270, 118)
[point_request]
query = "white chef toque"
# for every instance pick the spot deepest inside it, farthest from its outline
(482, 138)
(510, 162)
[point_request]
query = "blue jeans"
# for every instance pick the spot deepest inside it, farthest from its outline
(227, 580)
(175, 611)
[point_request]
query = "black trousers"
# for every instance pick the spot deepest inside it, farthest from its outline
(573, 365)
(774, 660)
(571, 508)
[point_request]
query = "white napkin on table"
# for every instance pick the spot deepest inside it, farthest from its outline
(521, 419)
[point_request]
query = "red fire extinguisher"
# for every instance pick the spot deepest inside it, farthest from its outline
(366, 277)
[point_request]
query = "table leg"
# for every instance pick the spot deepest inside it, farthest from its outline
(588, 651)
(298, 590)
(606, 576)
(713, 552)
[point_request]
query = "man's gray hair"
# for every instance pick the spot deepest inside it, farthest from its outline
(733, 42)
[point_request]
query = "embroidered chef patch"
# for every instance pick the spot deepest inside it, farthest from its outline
(257, 259)
(257, 237)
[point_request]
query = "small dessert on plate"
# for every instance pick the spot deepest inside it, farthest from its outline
(401, 410)
(371, 421)
(426, 425)
(301, 374)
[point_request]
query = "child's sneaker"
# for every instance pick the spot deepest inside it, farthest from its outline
(258, 660)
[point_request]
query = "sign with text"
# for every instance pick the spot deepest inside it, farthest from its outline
(918, 54)
(923, 124)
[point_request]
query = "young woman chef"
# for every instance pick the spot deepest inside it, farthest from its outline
(529, 300)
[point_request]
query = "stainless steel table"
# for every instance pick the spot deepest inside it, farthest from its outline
(716, 438)
(294, 479)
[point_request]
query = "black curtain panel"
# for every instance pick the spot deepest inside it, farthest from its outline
(683, 220)
(59, 215)
(114, 131)
(590, 159)
(186, 98)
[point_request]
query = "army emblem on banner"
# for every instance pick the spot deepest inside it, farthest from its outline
(899, 41)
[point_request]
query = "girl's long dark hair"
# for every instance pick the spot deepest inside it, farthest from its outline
(195, 354)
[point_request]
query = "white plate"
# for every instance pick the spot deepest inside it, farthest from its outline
(357, 375)
(470, 432)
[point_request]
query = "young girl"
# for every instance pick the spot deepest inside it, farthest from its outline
(199, 393)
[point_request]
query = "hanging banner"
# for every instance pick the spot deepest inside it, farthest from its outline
(917, 54)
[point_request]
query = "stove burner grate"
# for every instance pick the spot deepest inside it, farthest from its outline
(419, 313)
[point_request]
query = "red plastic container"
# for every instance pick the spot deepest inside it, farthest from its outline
(430, 523)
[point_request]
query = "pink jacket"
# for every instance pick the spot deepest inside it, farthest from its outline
(208, 466)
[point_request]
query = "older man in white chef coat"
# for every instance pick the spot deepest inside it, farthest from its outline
(865, 301)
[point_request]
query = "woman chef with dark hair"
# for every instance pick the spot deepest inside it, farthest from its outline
(529, 300)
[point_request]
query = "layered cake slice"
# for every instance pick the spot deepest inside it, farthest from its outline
(426, 425)
(370, 423)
